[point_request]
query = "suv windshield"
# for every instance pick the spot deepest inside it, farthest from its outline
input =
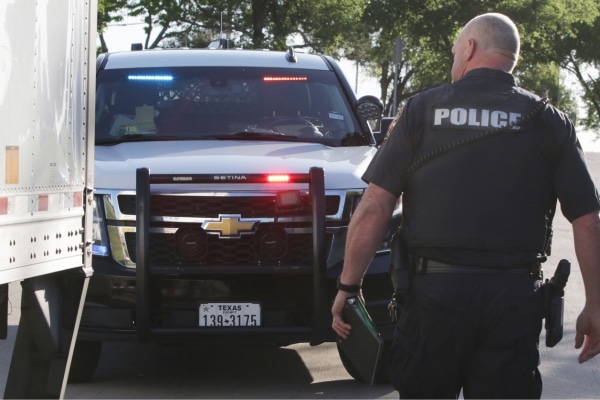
(224, 103)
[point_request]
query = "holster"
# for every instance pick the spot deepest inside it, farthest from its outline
(553, 294)
(400, 273)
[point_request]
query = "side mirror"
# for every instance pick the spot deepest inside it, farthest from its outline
(369, 108)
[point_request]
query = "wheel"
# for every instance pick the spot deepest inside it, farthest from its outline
(84, 361)
(382, 372)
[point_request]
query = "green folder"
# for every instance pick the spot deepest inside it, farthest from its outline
(363, 347)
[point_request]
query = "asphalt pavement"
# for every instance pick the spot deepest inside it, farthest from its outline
(563, 376)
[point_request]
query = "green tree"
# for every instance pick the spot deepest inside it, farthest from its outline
(564, 32)
(107, 13)
(321, 25)
(428, 29)
(583, 61)
(166, 23)
(555, 34)
(549, 83)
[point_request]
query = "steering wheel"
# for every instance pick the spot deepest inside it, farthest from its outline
(308, 128)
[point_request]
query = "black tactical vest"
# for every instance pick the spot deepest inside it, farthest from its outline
(493, 195)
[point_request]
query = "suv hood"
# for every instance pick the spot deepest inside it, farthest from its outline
(115, 165)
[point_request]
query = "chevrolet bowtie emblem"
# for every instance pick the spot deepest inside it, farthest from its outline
(229, 226)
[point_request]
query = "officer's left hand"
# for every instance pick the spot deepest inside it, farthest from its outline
(588, 330)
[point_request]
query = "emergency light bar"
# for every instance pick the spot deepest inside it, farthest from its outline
(285, 79)
(150, 77)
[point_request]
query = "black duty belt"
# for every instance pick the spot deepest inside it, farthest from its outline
(425, 265)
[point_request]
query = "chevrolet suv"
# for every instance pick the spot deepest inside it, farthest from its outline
(224, 184)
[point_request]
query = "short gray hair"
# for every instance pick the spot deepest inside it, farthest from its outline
(496, 33)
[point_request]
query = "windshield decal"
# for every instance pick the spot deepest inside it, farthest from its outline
(335, 115)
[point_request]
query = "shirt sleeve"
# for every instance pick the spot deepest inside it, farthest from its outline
(573, 182)
(389, 167)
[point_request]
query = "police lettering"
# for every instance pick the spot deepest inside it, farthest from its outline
(473, 117)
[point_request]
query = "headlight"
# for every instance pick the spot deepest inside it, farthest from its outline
(99, 235)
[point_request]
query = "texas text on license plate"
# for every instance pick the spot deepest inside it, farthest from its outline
(229, 314)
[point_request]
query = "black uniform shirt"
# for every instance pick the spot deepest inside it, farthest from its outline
(485, 203)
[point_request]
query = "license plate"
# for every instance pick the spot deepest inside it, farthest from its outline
(229, 314)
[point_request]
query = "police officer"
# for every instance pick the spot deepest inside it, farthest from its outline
(475, 220)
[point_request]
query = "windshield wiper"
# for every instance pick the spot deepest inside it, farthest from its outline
(137, 137)
(256, 134)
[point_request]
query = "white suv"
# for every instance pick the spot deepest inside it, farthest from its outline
(224, 182)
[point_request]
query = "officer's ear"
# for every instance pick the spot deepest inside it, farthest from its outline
(470, 49)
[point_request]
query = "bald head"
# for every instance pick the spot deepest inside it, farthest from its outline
(496, 33)
(487, 41)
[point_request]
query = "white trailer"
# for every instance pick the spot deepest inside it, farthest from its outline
(47, 81)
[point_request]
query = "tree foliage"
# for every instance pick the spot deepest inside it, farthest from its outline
(322, 26)
(550, 32)
(555, 35)
(108, 11)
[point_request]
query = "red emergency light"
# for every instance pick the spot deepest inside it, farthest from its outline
(278, 178)
(285, 78)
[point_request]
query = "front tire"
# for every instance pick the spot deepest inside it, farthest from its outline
(84, 361)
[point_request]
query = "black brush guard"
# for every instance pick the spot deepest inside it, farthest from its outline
(145, 270)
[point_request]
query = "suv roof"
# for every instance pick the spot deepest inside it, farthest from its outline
(212, 58)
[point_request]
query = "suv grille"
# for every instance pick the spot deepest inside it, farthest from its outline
(225, 251)
(163, 246)
(211, 207)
